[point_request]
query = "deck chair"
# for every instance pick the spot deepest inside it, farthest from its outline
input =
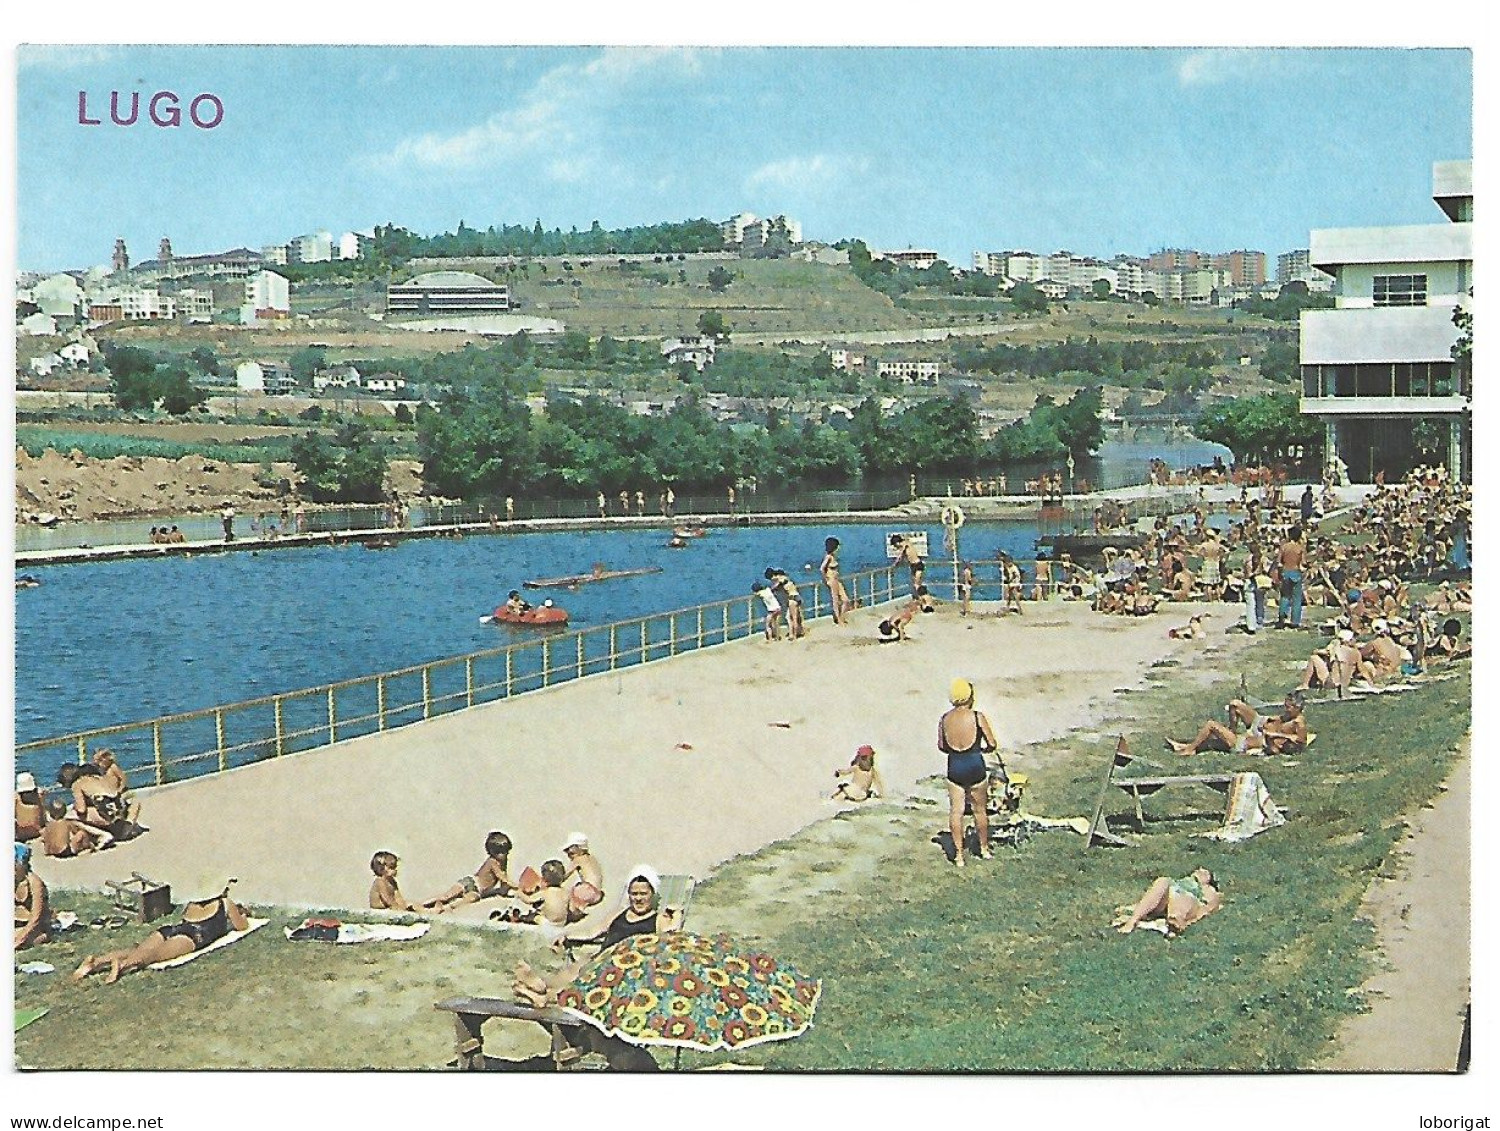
(675, 891)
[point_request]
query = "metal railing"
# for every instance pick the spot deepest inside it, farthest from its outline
(194, 743)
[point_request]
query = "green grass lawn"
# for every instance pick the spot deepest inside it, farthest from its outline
(1010, 965)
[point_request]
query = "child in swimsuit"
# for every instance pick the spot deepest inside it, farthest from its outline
(863, 780)
(588, 891)
(490, 878)
(385, 893)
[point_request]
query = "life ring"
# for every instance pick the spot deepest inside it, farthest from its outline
(952, 517)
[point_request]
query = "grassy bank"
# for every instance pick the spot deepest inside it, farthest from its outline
(106, 445)
(1010, 965)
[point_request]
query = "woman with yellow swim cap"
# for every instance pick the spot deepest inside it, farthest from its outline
(965, 736)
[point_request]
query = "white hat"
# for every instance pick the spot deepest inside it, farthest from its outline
(575, 840)
(1381, 626)
(25, 783)
(1346, 634)
(1386, 584)
(647, 873)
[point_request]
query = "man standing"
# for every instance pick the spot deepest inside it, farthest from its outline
(1291, 556)
(603, 506)
(227, 517)
(510, 508)
(1307, 504)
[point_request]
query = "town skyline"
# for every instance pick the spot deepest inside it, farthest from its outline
(1155, 148)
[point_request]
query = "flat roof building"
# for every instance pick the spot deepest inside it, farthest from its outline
(1378, 369)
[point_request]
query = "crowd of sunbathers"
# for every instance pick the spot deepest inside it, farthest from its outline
(103, 812)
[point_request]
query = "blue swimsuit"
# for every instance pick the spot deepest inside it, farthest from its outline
(966, 768)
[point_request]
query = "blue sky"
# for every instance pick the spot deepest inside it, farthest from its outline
(1099, 151)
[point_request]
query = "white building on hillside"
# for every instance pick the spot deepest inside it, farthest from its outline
(267, 296)
(1378, 369)
(696, 351)
(269, 377)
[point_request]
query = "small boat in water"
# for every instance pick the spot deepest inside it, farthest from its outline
(546, 615)
(599, 574)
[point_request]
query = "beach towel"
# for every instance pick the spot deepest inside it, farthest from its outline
(227, 940)
(1250, 810)
(348, 933)
(25, 1017)
(1079, 825)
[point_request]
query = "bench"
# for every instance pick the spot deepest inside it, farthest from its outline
(1099, 830)
(470, 1014)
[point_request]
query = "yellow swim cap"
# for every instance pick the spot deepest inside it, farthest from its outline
(960, 691)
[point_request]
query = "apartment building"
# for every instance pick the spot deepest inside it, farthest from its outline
(1378, 369)
(918, 259)
(267, 297)
(269, 377)
(195, 305)
(909, 372)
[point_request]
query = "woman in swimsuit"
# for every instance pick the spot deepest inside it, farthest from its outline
(203, 923)
(642, 916)
(1180, 902)
(965, 736)
(829, 568)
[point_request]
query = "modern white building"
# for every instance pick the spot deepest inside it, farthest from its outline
(145, 305)
(267, 296)
(918, 259)
(195, 304)
(447, 292)
(697, 351)
(58, 295)
(269, 377)
(1378, 368)
(909, 372)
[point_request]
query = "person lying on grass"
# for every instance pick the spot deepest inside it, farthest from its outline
(1335, 666)
(1179, 903)
(1284, 734)
(204, 922)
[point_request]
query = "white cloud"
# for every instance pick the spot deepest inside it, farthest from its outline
(1226, 64)
(554, 117)
(819, 171)
(60, 57)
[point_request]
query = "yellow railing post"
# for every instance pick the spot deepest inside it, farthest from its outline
(426, 692)
(579, 640)
(700, 626)
(219, 735)
(280, 734)
(83, 750)
(156, 749)
(333, 718)
(380, 702)
(468, 681)
(613, 647)
(546, 660)
(645, 635)
(671, 634)
(726, 622)
(508, 672)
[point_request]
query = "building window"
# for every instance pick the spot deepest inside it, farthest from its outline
(1400, 290)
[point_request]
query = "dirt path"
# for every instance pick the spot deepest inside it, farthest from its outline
(1422, 917)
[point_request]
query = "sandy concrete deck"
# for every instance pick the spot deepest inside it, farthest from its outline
(678, 763)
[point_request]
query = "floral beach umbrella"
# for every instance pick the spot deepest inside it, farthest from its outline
(680, 990)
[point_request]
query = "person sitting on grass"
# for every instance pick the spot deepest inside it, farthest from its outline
(204, 922)
(33, 910)
(1448, 645)
(860, 779)
(66, 836)
(1383, 657)
(588, 889)
(1284, 734)
(1180, 585)
(893, 628)
(1179, 903)
(491, 877)
(385, 893)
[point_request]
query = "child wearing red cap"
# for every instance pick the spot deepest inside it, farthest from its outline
(863, 780)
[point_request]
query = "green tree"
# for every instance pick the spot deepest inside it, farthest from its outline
(1262, 429)
(711, 324)
(176, 391)
(1279, 362)
(1101, 289)
(307, 361)
(317, 463)
(1029, 299)
(719, 279)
